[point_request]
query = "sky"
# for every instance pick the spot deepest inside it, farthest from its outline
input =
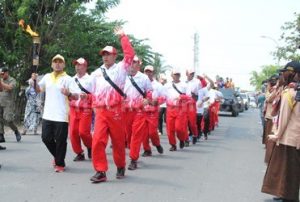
(230, 42)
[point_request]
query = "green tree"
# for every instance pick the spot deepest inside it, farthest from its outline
(266, 72)
(291, 38)
(65, 27)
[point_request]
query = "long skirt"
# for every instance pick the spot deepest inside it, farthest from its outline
(267, 130)
(282, 178)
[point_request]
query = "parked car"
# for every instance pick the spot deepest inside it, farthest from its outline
(230, 102)
(246, 100)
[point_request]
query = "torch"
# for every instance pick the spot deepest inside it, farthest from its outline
(35, 47)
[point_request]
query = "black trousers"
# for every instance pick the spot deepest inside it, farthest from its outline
(162, 118)
(54, 136)
(199, 120)
(206, 122)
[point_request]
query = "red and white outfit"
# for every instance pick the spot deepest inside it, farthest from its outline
(177, 111)
(108, 112)
(193, 86)
(81, 115)
(135, 115)
(152, 113)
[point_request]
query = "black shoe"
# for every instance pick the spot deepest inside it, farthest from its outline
(277, 198)
(147, 153)
(186, 144)
(132, 165)
(2, 139)
(195, 140)
(2, 148)
(160, 149)
(99, 177)
(120, 173)
(181, 144)
(89, 153)
(79, 157)
(173, 148)
(18, 136)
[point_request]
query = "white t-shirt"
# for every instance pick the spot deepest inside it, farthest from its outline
(202, 94)
(157, 89)
(56, 104)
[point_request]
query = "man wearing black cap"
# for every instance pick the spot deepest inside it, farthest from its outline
(282, 175)
(7, 115)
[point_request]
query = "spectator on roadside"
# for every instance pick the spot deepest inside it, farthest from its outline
(33, 109)
(7, 113)
(282, 175)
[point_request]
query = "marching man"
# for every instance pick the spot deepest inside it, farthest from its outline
(108, 95)
(193, 85)
(137, 89)
(152, 113)
(177, 95)
(81, 110)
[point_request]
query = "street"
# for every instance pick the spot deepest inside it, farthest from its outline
(228, 167)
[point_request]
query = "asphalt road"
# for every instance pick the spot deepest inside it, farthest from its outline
(228, 167)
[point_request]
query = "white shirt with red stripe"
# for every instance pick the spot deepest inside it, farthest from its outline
(158, 90)
(86, 82)
(104, 93)
(134, 98)
(194, 86)
(173, 97)
(156, 95)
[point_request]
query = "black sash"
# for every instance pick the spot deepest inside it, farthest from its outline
(137, 87)
(81, 87)
(177, 89)
(106, 77)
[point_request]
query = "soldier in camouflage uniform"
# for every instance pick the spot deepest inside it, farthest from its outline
(7, 115)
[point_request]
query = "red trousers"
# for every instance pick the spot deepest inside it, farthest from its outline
(80, 128)
(108, 122)
(192, 119)
(176, 123)
(217, 111)
(129, 114)
(213, 115)
(151, 133)
(138, 128)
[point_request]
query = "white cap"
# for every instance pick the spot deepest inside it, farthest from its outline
(190, 71)
(176, 71)
(149, 68)
(163, 76)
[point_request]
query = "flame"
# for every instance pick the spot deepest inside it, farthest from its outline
(27, 28)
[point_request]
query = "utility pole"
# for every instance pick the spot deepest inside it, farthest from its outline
(196, 53)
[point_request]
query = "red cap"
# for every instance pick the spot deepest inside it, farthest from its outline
(80, 61)
(108, 49)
